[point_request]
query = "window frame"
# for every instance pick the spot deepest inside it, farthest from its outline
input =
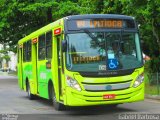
(27, 48)
(40, 47)
(50, 34)
(44, 45)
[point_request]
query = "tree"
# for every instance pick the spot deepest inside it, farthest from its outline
(20, 17)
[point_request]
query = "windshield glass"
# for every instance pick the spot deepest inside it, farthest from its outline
(102, 51)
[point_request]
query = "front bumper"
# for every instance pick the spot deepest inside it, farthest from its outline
(86, 98)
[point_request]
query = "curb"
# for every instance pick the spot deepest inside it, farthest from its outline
(8, 74)
(3, 73)
(12, 75)
(156, 97)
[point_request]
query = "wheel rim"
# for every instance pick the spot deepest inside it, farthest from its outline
(28, 90)
(54, 98)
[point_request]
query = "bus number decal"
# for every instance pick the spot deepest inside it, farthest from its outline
(102, 67)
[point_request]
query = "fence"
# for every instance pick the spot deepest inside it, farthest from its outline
(152, 83)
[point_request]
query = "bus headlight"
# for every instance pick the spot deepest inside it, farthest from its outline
(73, 83)
(139, 80)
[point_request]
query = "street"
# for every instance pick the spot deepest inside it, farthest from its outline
(15, 101)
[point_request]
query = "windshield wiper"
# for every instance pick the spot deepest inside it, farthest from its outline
(90, 34)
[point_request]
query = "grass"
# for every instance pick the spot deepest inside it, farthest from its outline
(151, 89)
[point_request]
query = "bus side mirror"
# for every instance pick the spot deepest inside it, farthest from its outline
(64, 45)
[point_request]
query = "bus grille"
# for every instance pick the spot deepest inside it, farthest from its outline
(107, 86)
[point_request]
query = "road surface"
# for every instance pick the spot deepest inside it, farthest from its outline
(13, 101)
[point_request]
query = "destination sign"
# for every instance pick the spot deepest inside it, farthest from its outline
(100, 23)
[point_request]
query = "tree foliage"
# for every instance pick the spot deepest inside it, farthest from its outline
(21, 17)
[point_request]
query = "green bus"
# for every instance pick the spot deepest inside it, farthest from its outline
(83, 60)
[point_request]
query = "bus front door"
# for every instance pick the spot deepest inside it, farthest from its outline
(60, 66)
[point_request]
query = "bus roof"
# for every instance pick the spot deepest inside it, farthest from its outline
(40, 31)
(88, 16)
(85, 16)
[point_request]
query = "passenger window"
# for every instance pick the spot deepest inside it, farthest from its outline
(24, 52)
(41, 47)
(27, 51)
(49, 45)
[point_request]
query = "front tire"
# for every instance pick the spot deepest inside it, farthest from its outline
(57, 106)
(30, 95)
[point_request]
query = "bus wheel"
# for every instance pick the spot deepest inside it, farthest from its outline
(30, 95)
(57, 106)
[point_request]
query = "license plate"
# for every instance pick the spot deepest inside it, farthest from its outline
(109, 96)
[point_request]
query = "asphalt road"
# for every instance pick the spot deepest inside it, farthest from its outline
(14, 102)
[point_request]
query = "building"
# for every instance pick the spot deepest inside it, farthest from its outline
(12, 64)
(13, 60)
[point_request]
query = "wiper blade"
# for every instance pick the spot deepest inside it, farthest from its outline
(90, 34)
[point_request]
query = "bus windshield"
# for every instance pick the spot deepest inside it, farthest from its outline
(103, 51)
